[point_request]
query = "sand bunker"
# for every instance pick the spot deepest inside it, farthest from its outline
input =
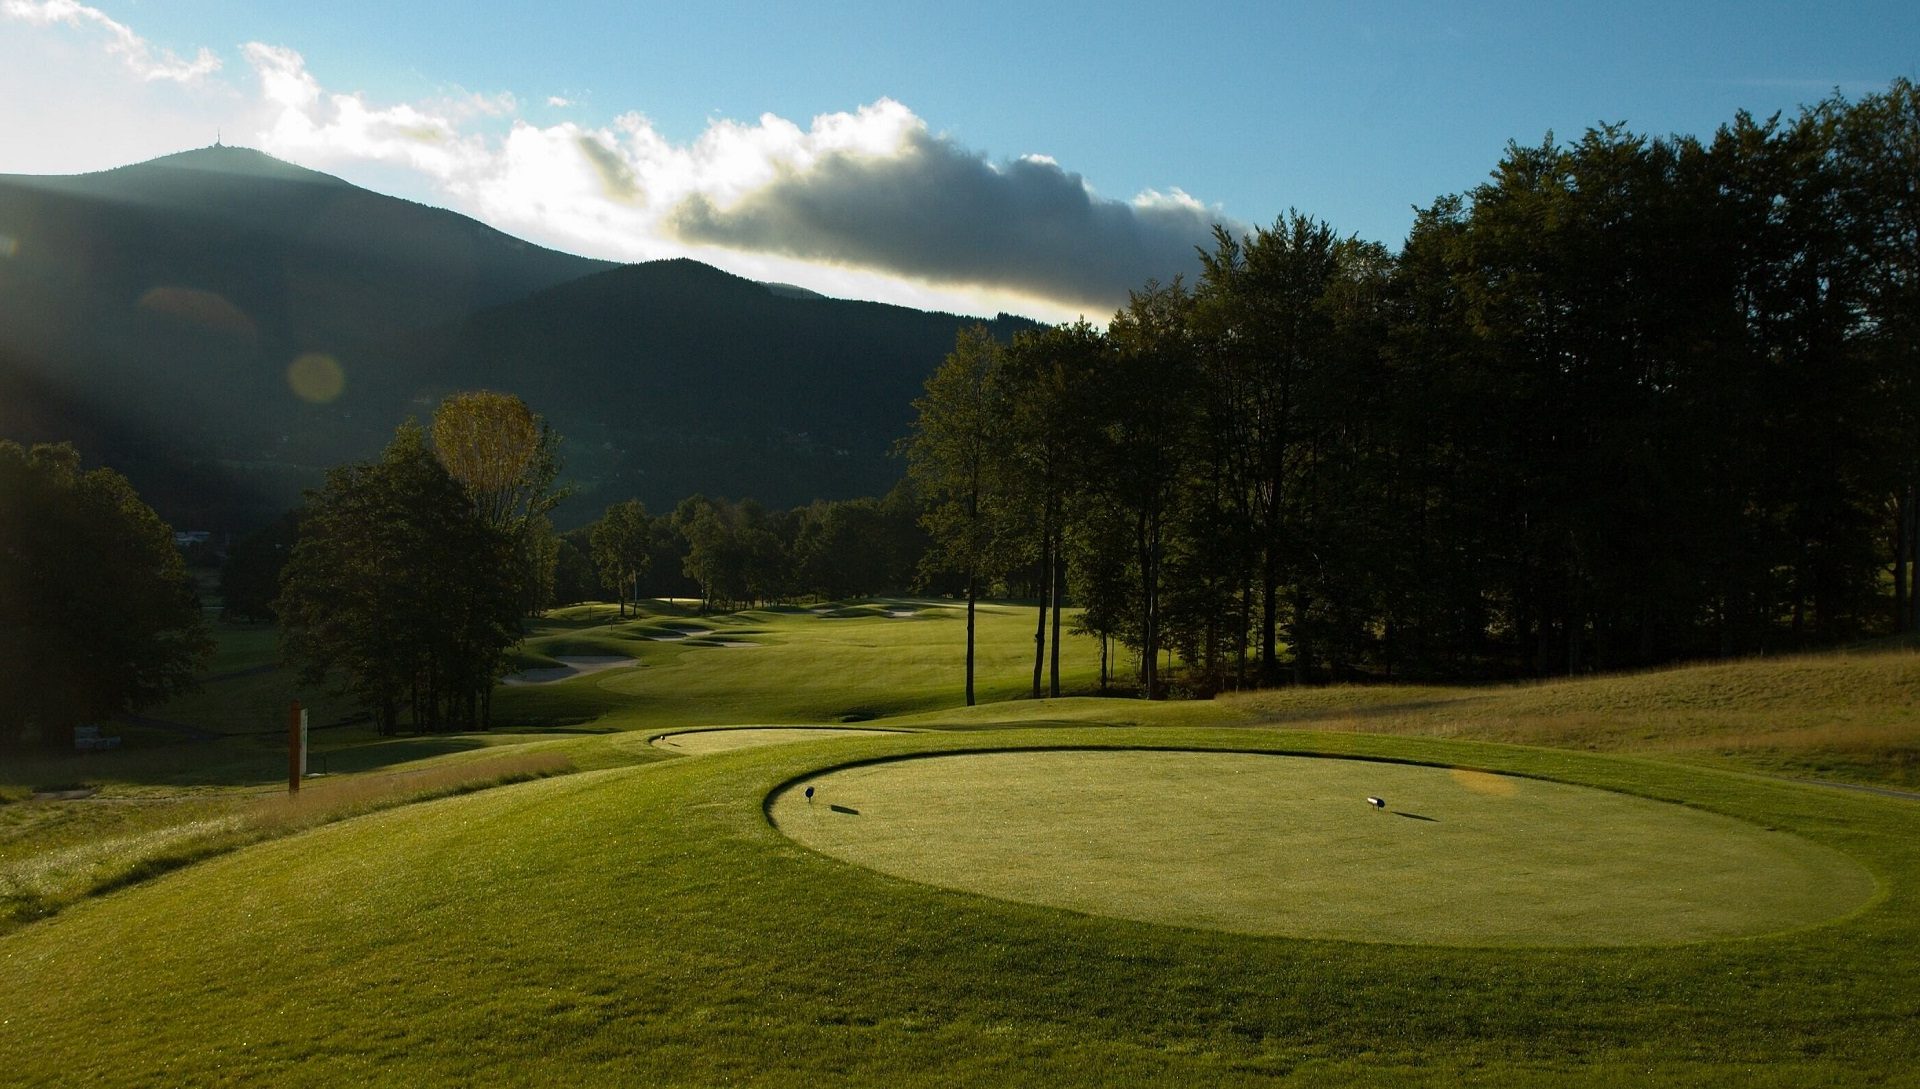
(700, 742)
(568, 668)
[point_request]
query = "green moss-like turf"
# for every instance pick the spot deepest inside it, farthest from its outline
(1263, 844)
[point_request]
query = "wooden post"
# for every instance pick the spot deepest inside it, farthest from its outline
(293, 749)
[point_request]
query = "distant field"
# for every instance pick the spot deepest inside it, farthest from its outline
(1571, 883)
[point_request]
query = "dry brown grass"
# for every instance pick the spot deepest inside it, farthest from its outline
(92, 846)
(1851, 715)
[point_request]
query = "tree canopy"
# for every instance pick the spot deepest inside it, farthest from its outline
(97, 616)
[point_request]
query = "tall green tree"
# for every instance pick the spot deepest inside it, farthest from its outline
(97, 616)
(1260, 300)
(1151, 414)
(622, 545)
(1047, 380)
(401, 592)
(508, 460)
(954, 456)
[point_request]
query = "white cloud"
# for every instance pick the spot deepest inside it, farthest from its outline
(312, 126)
(866, 203)
(134, 51)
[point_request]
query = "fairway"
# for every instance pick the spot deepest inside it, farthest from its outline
(1278, 845)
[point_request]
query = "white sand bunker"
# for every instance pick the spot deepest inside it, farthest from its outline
(701, 742)
(569, 667)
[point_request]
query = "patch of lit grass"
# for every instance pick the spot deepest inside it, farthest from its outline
(1852, 714)
(87, 847)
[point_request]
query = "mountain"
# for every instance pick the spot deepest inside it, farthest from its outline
(673, 377)
(157, 312)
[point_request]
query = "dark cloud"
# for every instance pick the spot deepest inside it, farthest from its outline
(616, 177)
(940, 213)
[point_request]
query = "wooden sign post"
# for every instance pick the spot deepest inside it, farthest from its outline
(296, 747)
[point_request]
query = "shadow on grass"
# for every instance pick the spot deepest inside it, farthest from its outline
(400, 751)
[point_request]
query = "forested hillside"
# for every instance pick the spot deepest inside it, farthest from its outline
(197, 299)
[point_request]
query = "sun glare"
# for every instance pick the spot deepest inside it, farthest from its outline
(316, 378)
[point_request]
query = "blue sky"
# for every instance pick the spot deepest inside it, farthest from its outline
(1035, 158)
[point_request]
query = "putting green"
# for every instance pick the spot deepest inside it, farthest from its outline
(1279, 845)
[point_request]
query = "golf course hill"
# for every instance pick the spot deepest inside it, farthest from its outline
(872, 885)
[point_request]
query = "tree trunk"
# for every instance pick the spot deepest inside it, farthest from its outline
(1045, 588)
(1301, 662)
(1911, 534)
(1906, 560)
(1269, 617)
(1059, 595)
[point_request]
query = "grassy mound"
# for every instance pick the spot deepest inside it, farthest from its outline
(649, 926)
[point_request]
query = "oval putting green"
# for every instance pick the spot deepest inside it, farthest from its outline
(1281, 845)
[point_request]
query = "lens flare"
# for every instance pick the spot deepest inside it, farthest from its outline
(208, 310)
(316, 378)
(9, 245)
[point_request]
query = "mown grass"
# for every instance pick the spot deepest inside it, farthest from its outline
(846, 664)
(649, 926)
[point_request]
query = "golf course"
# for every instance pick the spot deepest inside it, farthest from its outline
(772, 847)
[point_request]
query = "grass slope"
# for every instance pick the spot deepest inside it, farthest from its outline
(649, 926)
(1849, 715)
(642, 922)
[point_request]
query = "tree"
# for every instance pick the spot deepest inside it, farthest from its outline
(622, 542)
(953, 455)
(507, 459)
(399, 590)
(1047, 380)
(1152, 422)
(97, 616)
(505, 456)
(250, 577)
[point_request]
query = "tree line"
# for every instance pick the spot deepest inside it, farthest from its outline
(1631, 400)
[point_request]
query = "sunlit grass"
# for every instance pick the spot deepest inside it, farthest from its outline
(647, 926)
(1852, 715)
(82, 852)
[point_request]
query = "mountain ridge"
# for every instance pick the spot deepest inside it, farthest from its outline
(167, 299)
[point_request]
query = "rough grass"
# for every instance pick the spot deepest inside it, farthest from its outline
(1850, 715)
(87, 847)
